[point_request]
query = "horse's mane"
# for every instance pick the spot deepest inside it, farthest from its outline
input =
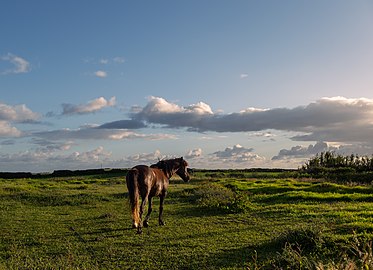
(168, 165)
(163, 163)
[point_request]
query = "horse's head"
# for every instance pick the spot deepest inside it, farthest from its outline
(182, 171)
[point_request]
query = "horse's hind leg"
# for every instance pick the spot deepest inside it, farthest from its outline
(150, 209)
(160, 219)
(142, 208)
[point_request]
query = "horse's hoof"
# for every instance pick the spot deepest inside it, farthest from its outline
(139, 230)
(146, 224)
(162, 223)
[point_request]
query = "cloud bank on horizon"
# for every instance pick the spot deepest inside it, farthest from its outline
(335, 119)
(335, 123)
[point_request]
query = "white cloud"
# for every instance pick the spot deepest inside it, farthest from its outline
(244, 75)
(17, 113)
(302, 151)
(91, 107)
(145, 158)
(236, 150)
(17, 64)
(195, 153)
(200, 108)
(157, 105)
(100, 74)
(237, 156)
(160, 111)
(6, 130)
(90, 157)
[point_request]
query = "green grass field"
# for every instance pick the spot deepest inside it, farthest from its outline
(221, 220)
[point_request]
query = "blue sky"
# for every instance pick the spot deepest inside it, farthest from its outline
(226, 84)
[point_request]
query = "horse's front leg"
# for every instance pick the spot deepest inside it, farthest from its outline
(150, 209)
(161, 222)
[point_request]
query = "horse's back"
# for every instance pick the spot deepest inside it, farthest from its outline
(142, 170)
(150, 180)
(141, 174)
(141, 167)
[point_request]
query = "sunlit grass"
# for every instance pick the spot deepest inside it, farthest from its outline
(213, 222)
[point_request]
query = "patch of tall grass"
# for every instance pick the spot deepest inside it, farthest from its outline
(309, 248)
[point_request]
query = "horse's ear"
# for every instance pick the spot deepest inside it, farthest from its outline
(183, 161)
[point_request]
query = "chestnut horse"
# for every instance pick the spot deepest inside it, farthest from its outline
(146, 182)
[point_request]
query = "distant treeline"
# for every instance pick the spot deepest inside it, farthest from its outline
(67, 173)
(61, 173)
(327, 165)
(244, 170)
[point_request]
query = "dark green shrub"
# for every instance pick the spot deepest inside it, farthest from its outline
(336, 167)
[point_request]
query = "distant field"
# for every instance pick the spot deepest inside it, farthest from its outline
(220, 220)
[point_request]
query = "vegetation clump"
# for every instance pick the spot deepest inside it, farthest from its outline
(333, 160)
(220, 198)
(299, 248)
(330, 165)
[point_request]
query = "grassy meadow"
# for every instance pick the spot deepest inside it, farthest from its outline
(219, 220)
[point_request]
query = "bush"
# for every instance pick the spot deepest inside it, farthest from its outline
(336, 167)
(215, 196)
(330, 159)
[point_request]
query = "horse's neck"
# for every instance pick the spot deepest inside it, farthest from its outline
(169, 171)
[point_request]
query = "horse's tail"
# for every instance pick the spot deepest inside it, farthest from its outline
(134, 196)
